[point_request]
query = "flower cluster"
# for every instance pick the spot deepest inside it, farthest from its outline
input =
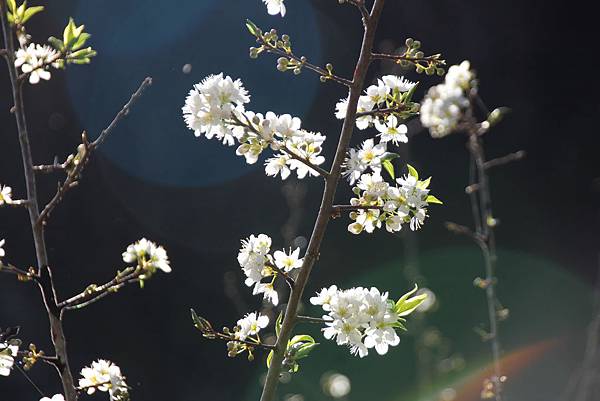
(364, 318)
(35, 60)
(443, 106)
(104, 376)
(215, 108)
(257, 263)
(148, 256)
(391, 93)
(8, 352)
(5, 194)
(393, 205)
(275, 7)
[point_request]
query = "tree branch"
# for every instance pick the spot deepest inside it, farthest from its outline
(84, 153)
(45, 276)
(324, 214)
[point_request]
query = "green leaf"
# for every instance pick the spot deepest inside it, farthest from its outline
(424, 184)
(30, 12)
(278, 324)
(252, 28)
(389, 167)
(201, 323)
(389, 156)
(412, 171)
(408, 95)
(270, 358)
(305, 350)
(10, 18)
(81, 41)
(20, 11)
(405, 305)
(301, 338)
(69, 33)
(12, 6)
(433, 199)
(56, 43)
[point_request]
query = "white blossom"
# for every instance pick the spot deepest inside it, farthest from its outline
(324, 297)
(392, 130)
(55, 397)
(396, 83)
(105, 376)
(288, 261)
(275, 7)
(353, 166)
(378, 202)
(268, 290)
(360, 318)
(460, 75)
(147, 255)
(250, 325)
(211, 103)
(5, 194)
(8, 352)
(2, 253)
(34, 59)
(278, 165)
(442, 108)
(371, 154)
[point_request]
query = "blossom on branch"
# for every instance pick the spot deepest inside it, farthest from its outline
(275, 7)
(148, 256)
(215, 107)
(2, 253)
(105, 376)
(258, 264)
(250, 325)
(443, 106)
(362, 318)
(5, 194)
(8, 352)
(34, 60)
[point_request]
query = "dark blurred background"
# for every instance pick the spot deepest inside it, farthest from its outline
(153, 178)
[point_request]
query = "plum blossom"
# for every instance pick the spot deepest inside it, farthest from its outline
(215, 108)
(148, 256)
(391, 130)
(379, 202)
(250, 325)
(8, 352)
(288, 261)
(275, 7)
(210, 103)
(105, 376)
(34, 59)
(258, 264)
(359, 318)
(5, 194)
(2, 252)
(443, 105)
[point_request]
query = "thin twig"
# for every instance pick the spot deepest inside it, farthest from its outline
(405, 57)
(305, 64)
(360, 4)
(509, 158)
(378, 112)
(310, 319)
(88, 148)
(16, 203)
(93, 294)
(322, 172)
